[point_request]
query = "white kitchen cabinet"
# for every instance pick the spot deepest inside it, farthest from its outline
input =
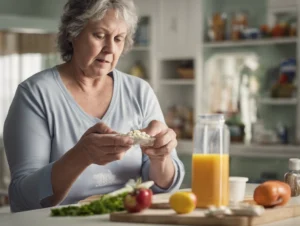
(270, 52)
(279, 4)
(181, 35)
(144, 52)
(178, 43)
(178, 30)
(176, 93)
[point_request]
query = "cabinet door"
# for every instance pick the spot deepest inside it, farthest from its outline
(176, 34)
(146, 7)
(278, 4)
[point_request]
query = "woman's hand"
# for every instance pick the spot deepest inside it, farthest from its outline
(101, 145)
(162, 168)
(165, 141)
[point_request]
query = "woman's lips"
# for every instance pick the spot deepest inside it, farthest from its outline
(102, 61)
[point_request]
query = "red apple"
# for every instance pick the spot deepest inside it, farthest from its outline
(138, 200)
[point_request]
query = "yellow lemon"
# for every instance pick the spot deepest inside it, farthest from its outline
(183, 202)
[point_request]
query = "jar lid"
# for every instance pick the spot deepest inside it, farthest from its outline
(211, 118)
(294, 164)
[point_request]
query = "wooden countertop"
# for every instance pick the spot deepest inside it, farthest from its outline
(42, 217)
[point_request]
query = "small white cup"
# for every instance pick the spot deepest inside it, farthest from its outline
(237, 188)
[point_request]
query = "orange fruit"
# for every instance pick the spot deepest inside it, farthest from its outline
(272, 193)
(183, 202)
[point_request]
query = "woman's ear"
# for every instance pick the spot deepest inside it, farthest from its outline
(71, 40)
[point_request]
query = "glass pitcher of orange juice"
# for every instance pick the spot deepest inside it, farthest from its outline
(210, 161)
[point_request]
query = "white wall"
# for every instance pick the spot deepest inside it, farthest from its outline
(50, 8)
(30, 14)
(42, 14)
(35, 8)
(18, 7)
(27, 23)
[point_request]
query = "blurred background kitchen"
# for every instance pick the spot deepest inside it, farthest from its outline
(237, 57)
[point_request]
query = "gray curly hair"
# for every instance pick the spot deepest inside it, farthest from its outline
(78, 12)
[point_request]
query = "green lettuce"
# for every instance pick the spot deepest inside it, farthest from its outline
(106, 204)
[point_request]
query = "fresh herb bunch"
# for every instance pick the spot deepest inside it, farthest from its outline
(106, 204)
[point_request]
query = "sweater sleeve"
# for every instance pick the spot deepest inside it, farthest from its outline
(152, 111)
(27, 143)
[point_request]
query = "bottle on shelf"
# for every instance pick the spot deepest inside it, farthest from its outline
(142, 33)
(282, 133)
(292, 177)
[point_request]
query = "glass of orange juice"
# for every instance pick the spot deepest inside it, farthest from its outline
(210, 161)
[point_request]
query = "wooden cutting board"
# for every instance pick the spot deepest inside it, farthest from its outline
(159, 201)
(168, 216)
(160, 213)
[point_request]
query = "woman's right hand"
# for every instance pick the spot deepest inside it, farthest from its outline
(101, 145)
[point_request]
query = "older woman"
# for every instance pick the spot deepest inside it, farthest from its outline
(57, 134)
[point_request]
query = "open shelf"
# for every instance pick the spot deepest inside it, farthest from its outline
(177, 81)
(254, 42)
(266, 147)
(185, 147)
(278, 101)
(140, 48)
(3, 192)
(265, 150)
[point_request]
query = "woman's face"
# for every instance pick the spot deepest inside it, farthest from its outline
(96, 50)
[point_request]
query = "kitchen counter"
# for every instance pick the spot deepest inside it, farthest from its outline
(41, 217)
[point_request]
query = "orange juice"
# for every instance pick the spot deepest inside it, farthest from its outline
(210, 175)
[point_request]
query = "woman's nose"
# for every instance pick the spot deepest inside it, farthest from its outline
(109, 46)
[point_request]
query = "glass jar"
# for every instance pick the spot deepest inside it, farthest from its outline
(292, 177)
(210, 161)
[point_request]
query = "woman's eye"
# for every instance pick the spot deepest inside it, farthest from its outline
(100, 36)
(119, 39)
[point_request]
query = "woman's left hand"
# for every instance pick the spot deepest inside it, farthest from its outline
(165, 141)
